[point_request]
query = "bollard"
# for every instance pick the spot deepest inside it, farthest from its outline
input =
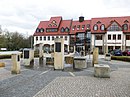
(95, 56)
(15, 63)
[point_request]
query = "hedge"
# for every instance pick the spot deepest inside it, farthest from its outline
(121, 58)
(5, 56)
(9, 56)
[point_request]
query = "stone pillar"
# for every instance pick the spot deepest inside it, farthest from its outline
(15, 64)
(95, 56)
(59, 53)
(40, 55)
(28, 56)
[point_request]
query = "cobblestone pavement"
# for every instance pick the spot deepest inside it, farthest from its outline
(87, 86)
(45, 82)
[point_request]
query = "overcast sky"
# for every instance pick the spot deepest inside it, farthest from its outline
(24, 15)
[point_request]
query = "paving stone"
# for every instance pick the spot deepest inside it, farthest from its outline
(62, 84)
(87, 86)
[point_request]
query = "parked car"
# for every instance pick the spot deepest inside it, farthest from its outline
(117, 52)
(126, 53)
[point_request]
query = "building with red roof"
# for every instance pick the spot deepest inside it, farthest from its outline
(107, 33)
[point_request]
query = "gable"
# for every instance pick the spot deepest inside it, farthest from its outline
(114, 26)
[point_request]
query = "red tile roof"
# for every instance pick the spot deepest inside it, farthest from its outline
(107, 21)
(81, 24)
(44, 24)
(54, 22)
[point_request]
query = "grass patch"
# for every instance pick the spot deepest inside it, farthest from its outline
(121, 58)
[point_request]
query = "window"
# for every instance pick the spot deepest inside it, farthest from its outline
(80, 37)
(52, 37)
(114, 36)
(40, 37)
(41, 30)
(109, 37)
(73, 28)
(83, 26)
(95, 27)
(57, 37)
(49, 25)
(72, 39)
(37, 30)
(44, 37)
(48, 37)
(88, 26)
(52, 30)
(62, 30)
(98, 22)
(125, 27)
(78, 27)
(119, 36)
(61, 36)
(98, 37)
(66, 29)
(126, 21)
(102, 27)
(65, 37)
(114, 27)
(127, 37)
(36, 38)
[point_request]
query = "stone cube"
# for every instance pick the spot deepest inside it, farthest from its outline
(102, 71)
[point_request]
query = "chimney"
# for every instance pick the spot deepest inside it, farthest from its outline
(81, 19)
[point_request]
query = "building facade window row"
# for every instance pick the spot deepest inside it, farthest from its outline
(48, 38)
(127, 37)
(80, 27)
(113, 27)
(98, 37)
(114, 37)
(51, 30)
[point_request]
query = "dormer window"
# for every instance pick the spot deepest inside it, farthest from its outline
(114, 27)
(88, 26)
(102, 27)
(62, 29)
(95, 27)
(66, 29)
(73, 28)
(83, 26)
(49, 25)
(54, 25)
(78, 27)
(41, 30)
(53, 22)
(125, 27)
(98, 22)
(126, 21)
(37, 30)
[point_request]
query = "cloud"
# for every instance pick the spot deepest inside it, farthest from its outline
(24, 15)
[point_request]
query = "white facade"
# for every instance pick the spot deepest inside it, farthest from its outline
(47, 40)
(111, 40)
